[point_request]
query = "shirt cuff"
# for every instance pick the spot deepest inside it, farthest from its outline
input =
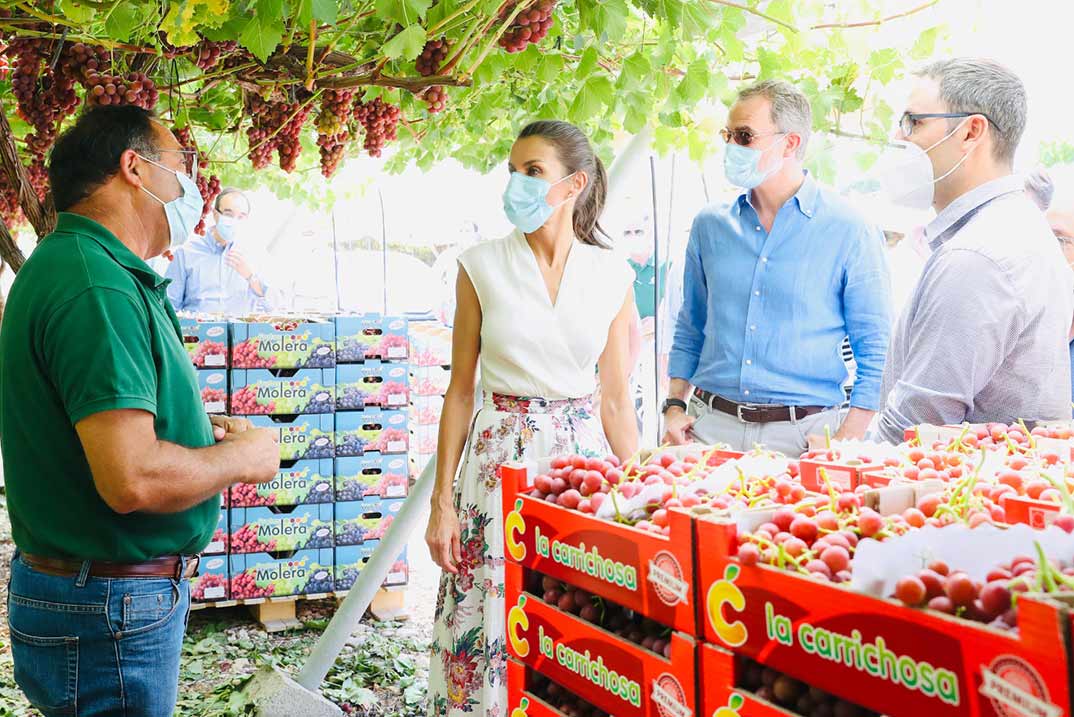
(681, 365)
(865, 395)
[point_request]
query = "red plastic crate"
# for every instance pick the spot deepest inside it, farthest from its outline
(520, 701)
(1034, 513)
(617, 676)
(717, 696)
(842, 475)
(939, 666)
(650, 574)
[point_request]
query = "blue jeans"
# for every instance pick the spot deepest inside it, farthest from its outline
(97, 646)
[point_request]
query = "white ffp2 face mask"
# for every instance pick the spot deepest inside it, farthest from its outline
(906, 176)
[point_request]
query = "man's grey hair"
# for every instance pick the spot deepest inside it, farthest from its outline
(790, 108)
(985, 87)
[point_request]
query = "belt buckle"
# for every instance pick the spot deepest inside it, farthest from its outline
(738, 411)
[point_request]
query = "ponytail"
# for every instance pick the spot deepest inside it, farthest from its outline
(576, 153)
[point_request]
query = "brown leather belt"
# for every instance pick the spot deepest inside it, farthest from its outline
(167, 567)
(756, 413)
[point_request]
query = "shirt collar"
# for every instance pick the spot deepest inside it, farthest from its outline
(947, 222)
(70, 223)
(805, 198)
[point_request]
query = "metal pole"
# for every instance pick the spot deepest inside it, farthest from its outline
(353, 607)
(656, 299)
(384, 250)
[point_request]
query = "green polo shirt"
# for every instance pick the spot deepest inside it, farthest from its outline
(644, 286)
(87, 328)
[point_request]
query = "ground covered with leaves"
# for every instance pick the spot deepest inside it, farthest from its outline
(382, 671)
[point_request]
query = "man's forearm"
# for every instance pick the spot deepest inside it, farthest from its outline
(680, 388)
(174, 478)
(257, 286)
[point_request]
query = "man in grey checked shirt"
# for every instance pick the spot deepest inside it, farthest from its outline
(984, 336)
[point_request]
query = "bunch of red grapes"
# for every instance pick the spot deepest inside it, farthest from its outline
(530, 26)
(432, 57)
(266, 117)
(244, 540)
(245, 355)
(332, 148)
(789, 693)
(208, 53)
(244, 403)
(206, 581)
(387, 437)
(213, 395)
(435, 99)
(206, 349)
(379, 119)
(134, 88)
(244, 587)
(615, 618)
(245, 495)
(336, 110)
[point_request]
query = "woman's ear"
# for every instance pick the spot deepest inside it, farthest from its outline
(578, 183)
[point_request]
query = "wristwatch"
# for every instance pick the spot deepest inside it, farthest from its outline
(669, 402)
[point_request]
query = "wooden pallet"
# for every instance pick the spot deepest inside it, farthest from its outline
(280, 613)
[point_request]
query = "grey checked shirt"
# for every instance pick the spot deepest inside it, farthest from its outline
(984, 336)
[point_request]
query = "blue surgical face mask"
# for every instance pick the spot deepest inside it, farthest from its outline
(741, 165)
(225, 227)
(525, 201)
(184, 212)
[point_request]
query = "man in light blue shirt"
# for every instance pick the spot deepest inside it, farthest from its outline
(209, 274)
(773, 283)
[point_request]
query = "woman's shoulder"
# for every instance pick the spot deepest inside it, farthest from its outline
(609, 262)
(486, 250)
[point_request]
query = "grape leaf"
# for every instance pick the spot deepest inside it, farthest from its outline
(592, 97)
(403, 12)
(183, 17)
(694, 83)
(884, 64)
(122, 21)
(264, 31)
(323, 11)
(406, 45)
(635, 71)
(75, 12)
(925, 45)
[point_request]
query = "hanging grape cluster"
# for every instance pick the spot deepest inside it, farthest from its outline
(276, 125)
(207, 54)
(379, 119)
(208, 185)
(333, 134)
(432, 57)
(530, 26)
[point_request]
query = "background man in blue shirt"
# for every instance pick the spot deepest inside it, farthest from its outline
(773, 283)
(209, 274)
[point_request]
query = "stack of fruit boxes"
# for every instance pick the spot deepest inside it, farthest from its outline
(283, 377)
(372, 438)
(430, 372)
(728, 622)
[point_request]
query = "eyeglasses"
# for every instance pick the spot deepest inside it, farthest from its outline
(744, 137)
(910, 120)
(190, 161)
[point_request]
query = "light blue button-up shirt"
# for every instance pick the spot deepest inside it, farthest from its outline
(764, 313)
(202, 281)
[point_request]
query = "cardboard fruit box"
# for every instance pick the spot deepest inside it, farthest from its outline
(218, 544)
(371, 385)
(361, 432)
(364, 337)
(282, 392)
(296, 483)
(521, 702)
(264, 575)
(283, 343)
(717, 695)
(371, 477)
(302, 437)
(613, 674)
(206, 340)
(878, 653)
(211, 581)
(280, 528)
(648, 573)
(351, 559)
(364, 520)
(214, 390)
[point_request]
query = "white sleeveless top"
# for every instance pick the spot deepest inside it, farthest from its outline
(529, 347)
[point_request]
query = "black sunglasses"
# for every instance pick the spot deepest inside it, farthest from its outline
(909, 120)
(744, 137)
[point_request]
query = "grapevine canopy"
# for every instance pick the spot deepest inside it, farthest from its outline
(297, 85)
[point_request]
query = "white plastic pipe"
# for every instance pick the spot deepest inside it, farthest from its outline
(369, 580)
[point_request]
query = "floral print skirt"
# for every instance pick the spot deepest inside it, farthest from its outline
(468, 666)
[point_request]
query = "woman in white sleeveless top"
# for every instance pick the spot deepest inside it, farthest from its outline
(542, 309)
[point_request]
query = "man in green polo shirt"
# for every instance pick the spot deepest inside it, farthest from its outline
(113, 470)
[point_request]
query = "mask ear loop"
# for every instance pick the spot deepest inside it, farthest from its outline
(958, 164)
(569, 196)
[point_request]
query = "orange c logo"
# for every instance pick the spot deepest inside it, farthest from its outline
(512, 525)
(517, 618)
(725, 592)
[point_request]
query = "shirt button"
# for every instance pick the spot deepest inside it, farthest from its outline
(753, 327)
(749, 362)
(756, 293)
(758, 228)
(746, 392)
(764, 259)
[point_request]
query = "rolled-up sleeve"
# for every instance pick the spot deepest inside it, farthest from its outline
(689, 328)
(958, 339)
(867, 314)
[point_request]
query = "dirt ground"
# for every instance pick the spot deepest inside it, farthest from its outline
(383, 671)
